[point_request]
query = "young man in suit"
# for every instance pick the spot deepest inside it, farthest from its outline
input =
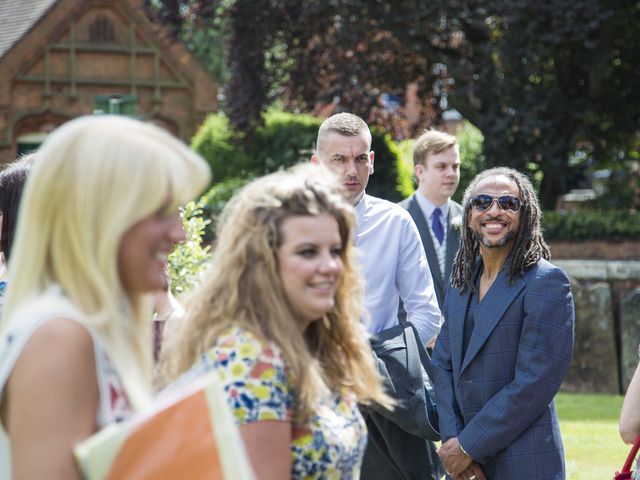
(507, 339)
(436, 160)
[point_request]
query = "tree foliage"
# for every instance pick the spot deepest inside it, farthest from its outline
(187, 259)
(550, 84)
(540, 79)
(201, 26)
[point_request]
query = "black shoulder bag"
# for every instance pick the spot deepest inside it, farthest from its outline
(402, 360)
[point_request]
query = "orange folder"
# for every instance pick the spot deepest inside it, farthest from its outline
(189, 433)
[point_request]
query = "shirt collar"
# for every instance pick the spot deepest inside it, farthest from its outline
(427, 207)
(360, 207)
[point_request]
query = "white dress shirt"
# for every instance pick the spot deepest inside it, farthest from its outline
(394, 266)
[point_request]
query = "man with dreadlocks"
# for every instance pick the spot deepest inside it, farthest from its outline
(506, 342)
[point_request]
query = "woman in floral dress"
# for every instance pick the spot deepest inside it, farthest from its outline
(278, 317)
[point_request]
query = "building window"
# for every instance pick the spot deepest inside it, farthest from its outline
(115, 104)
(101, 31)
(30, 142)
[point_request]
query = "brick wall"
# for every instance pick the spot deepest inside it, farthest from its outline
(596, 249)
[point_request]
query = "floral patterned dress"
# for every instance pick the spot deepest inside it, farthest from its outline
(330, 445)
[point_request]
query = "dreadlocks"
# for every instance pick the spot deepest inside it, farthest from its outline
(529, 246)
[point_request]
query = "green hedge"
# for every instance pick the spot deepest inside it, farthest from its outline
(384, 181)
(284, 140)
(215, 199)
(187, 259)
(591, 225)
(221, 147)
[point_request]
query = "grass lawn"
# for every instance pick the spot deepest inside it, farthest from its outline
(589, 426)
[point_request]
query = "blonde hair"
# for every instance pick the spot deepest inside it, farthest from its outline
(431, 142)
(94, 178)
(243, 288)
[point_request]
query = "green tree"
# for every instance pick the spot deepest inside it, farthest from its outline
(542, 80)
(201, 26)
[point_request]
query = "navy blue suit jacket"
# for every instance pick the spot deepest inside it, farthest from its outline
(498, 397)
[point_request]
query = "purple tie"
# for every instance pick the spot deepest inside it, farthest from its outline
(436, 225)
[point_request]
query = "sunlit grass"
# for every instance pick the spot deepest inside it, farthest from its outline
(589, 426)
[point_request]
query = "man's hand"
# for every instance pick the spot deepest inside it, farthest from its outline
(432, 343)
(473, 472)
(454, 460)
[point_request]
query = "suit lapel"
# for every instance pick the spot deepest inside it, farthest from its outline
(452, 241)
(495, 303)
(427, 241)
(456, 325)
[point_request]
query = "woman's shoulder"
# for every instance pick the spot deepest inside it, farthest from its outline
(239, 353)
(48, 323)
(61, 342)
(253, 373)
(50, 304)
(57, 357)
(247, 345)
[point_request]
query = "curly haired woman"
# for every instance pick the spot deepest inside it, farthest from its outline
(278, 316)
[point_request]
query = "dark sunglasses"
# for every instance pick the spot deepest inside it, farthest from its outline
(483, 202)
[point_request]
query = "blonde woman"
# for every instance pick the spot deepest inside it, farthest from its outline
(98, 215)
(278, 316)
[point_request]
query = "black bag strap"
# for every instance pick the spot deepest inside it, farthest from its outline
(413, 354)
(418, 350)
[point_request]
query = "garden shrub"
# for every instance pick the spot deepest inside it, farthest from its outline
(591, 225)
(214, 200)
(284, 140)
(406, 178)
(221, 148)
(385, 182)
(186, 260)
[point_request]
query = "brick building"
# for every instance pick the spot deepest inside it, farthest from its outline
(60, 59)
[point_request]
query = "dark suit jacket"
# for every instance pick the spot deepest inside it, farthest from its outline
(455, 210)
(498, 397)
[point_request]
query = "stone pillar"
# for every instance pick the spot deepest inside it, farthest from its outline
(594, 368)
(630, 335)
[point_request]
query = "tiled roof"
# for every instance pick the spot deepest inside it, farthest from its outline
(17, 17)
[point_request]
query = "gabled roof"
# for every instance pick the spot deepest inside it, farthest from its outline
(17, 17)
